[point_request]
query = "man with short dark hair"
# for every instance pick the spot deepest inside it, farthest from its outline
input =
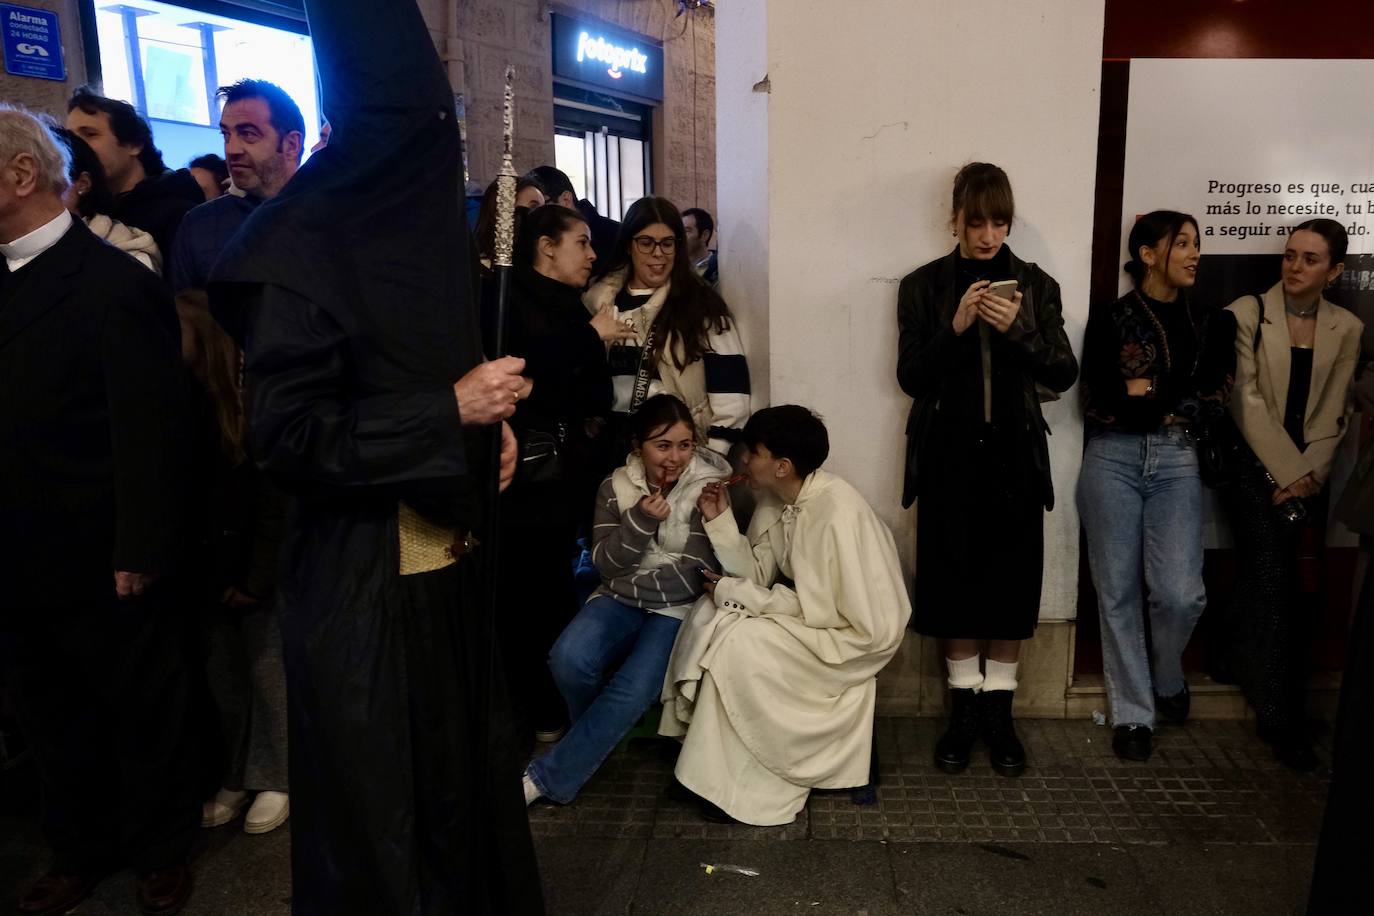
(264, 136)
(147, 195)
(558, 189)
(92, 433)
(700, 231)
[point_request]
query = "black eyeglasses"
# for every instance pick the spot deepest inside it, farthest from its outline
(646, 244)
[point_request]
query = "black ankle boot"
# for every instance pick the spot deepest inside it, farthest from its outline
(952, 750)
(999, 731)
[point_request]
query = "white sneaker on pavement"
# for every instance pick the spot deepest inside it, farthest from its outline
(270, 810)
(532, 793)
(223, 808)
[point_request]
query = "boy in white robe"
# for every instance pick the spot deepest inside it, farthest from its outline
(777, 681)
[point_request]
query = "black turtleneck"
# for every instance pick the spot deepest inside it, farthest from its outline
(971, 270)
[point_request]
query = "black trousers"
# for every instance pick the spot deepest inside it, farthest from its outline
(102, 693)
(1269, 624)
(537, 600)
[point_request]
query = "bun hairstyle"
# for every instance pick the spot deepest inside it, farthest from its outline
(982, 191)
(1148, 231)
(657, 415)
(1333, 232)
(550, 220)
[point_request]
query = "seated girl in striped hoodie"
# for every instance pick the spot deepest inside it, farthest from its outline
(649, 544)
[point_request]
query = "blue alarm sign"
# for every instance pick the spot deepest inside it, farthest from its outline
(33, 42)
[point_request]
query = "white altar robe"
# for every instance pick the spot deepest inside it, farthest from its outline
(778, 684)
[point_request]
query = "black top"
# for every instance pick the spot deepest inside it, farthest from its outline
(1299, 386)
(158, 204)
(1187, 349)
(971, 270)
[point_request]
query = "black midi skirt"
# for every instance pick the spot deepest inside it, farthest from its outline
(980, 542)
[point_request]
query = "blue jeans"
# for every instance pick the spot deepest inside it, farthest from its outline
(609, 665)
(1140, 498)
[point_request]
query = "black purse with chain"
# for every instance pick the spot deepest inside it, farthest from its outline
(1222, 452)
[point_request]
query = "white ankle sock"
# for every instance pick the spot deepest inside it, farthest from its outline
(532, 792)
(964, 674)
(1001, 675)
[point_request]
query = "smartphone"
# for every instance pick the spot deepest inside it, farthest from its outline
(1003, 289)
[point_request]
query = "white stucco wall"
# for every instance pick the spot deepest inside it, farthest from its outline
(873, 106)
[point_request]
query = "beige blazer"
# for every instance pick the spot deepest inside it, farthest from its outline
(1261, 390)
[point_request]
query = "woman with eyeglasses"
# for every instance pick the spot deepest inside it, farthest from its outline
(685, 341)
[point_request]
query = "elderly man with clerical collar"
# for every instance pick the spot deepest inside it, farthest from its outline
(92, 421)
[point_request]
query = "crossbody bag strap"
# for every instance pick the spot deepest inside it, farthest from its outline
(643, 373)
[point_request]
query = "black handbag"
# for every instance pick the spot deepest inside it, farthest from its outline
(1222, 452)
(542, 455)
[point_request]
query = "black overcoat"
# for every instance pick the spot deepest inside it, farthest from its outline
(93, 400)
(350, 291)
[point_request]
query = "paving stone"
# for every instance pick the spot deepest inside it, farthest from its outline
(1254, 880)
(1028, 880)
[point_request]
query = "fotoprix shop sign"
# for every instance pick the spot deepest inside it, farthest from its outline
(607, 58)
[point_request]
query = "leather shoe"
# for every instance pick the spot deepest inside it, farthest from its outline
(953, 749)
(165, 891)
(1175, 709)
(56, 892)
(1132, 742)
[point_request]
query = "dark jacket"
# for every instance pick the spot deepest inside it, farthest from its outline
(1123, 342)
(1035, 345)
(92, 424)
(157, 205)
(604, 231)
(549, 328)
(202, 236)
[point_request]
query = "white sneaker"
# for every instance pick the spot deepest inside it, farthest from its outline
(532, 793)
(270, 810)
(223, 808)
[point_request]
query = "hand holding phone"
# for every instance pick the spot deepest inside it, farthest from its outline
(1000, 304)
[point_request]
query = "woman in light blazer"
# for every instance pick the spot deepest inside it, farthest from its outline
(1295, 363)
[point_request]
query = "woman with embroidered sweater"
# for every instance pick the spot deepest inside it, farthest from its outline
(685, 340)
(1156, 367)
(1295, 366)
(650, 545)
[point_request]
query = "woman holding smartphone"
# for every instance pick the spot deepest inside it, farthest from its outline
(974, 354)
(1157, 367)
(1295, 356)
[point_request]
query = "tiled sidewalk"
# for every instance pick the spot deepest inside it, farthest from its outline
(1211, 782)
(1212, 825)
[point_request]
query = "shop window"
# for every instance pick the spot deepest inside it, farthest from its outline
(602, 143)
(167, 60)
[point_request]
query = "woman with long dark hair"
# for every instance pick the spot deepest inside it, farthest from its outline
(974, 358)
(685, 341)
(1157, 369)
(1295, 365)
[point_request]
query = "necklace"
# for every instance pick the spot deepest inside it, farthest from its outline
(1301, 313)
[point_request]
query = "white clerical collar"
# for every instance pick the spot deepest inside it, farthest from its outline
(25, 248)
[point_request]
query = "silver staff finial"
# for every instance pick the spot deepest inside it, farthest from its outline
(505, 181)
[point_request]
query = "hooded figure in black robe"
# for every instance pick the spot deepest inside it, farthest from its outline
(350, 294)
